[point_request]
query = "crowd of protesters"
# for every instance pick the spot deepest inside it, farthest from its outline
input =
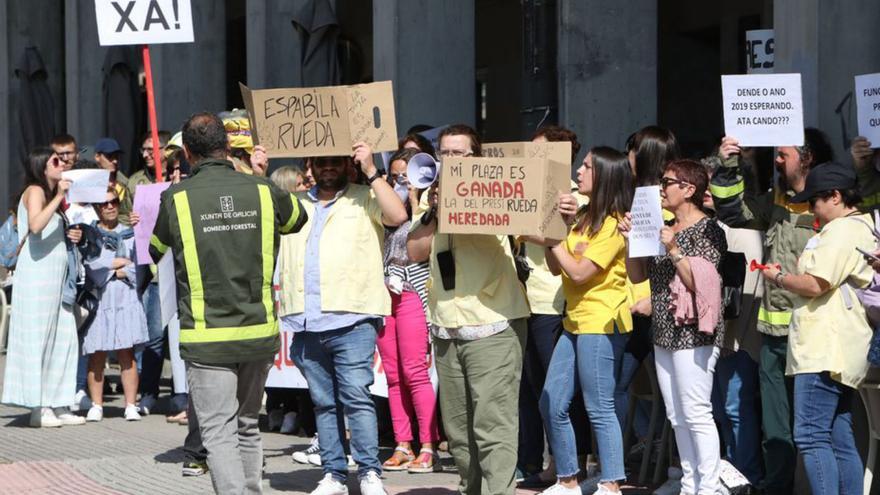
(753, 375)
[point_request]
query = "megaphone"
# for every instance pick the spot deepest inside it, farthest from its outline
(422, 170)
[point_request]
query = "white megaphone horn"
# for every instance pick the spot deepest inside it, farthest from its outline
(422, 170)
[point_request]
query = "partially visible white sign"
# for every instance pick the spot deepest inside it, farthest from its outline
(144, 22)
(868, 104)
(647, 220)
(167, 287)
(87, 185)
(763, 109)
(760, 49)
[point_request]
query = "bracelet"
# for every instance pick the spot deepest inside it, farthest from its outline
(375, 176)
(778, 279)
(676, 258)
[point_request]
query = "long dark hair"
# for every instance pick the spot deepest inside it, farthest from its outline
(612, 189)
(35, 170)
(654, 147)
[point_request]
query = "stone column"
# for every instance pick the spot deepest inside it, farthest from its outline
(607, 66)
(426, 48)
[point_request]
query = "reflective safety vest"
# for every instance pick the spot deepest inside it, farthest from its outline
(223, 228)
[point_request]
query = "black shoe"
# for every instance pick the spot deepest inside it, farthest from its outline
(535, 481)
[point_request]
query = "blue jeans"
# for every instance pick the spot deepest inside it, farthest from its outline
(638, 348)
(735, 405)
(824, 436)
(338, 365)
(594, 361)
(151, 357)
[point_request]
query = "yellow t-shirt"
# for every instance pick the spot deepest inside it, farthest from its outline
(826, 335)
(595, 306)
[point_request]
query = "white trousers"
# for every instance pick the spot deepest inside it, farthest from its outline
(685, 380)
(178, 368)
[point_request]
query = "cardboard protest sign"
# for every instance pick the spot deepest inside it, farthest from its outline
(501, 196)
(760, 51)
(868, 104)
(143, 22)
(146, 204)
(87, 185)
(647, 220)
(763, 109)
(327, 121)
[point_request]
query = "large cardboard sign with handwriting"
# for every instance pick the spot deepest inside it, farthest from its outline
(502, 196)
(325, 121)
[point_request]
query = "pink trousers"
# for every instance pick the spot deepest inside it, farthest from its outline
(403, 346)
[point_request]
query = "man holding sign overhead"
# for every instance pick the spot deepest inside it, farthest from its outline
(788, 227)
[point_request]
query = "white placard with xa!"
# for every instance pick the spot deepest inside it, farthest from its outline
(763, 109)
(144, 22)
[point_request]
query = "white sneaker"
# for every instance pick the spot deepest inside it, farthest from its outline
(351, 462)
(81, 401)
(43, 417)
(371, 484)
(95, 414)
(274, 419)
(559, 489)
(302, 456)
(314, 459)
(288, 424)
(331, 486)
(603, 490)
(131, 413)
(67, 418)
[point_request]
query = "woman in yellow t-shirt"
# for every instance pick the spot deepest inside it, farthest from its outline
(829, 333)
(592, 261)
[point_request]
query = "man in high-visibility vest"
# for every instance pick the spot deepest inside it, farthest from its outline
(223, 229)
(787, 227)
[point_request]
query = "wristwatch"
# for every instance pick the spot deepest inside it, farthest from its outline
(778, 279)
(676, 258)
(373, 177)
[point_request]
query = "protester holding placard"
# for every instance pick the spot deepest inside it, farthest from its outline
(867, 164)
(830, 332)
(547, 303)
(787, 227)
(333, 297)
(477, 309)
(403, 342)
(42, 329)
(592, 262)
(120, 322)
(151, 357)
(687, 319)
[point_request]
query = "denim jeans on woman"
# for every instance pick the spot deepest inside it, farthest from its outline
(824, 436)
(593, 360)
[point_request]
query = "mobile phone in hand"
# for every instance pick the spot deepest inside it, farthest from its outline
(867, 255)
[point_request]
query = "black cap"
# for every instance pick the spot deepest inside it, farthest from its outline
(826, 177)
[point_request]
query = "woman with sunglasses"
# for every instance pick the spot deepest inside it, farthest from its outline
(403, 342)
(829, 333)
(42, 351)
(120, 322)
(685, 347)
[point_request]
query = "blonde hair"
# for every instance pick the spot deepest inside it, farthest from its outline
(286, 178)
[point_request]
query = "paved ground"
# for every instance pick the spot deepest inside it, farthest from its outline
(119, 457)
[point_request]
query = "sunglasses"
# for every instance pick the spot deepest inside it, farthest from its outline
(106, 204)
(56, 162)
(668, 181)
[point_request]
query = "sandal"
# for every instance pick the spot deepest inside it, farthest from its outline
(426, 462)
(399, 460)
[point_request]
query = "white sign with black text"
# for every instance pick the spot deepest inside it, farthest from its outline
(763, 109)
(760, 49)
(87, 185)
(647, 220)
(868, 104)
(144, 22)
